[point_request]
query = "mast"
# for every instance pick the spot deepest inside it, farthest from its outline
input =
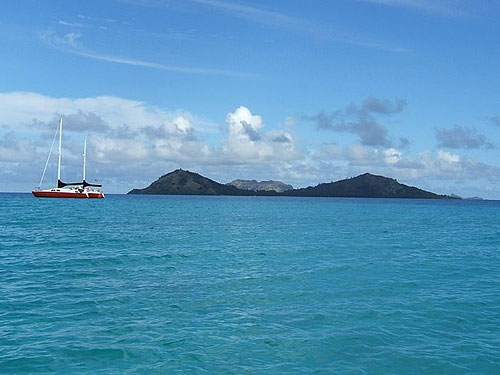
(60, 152)
(84, 157)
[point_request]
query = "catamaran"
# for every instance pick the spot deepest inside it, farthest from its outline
(81, 189)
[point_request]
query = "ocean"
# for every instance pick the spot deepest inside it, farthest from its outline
(249, 285)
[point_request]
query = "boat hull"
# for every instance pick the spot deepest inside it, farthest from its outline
(66, 194)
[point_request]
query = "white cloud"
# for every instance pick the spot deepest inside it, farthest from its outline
(182, 150)
(392, 156)
(108, 150)
(27, 109)
(246, 143)
(242, 117)
(448, 157)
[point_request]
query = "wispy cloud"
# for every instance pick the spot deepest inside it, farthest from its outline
(71, 24)
(253, 14)
(96, 19)
(283, 21)
(69, 43)
(303, 26)
(87, 22)
(440, 7)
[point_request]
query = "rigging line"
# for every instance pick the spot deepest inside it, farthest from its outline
(48, 157)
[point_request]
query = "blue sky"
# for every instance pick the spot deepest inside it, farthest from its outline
(304, 92)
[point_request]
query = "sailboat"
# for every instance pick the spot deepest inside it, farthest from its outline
(81, 189)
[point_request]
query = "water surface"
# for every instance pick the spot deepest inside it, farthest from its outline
(249, 285)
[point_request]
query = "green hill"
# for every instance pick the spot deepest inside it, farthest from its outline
(366, 186)
(181, 182)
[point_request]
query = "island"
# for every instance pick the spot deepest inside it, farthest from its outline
(182, 182)
(366, 186)
(255, 185)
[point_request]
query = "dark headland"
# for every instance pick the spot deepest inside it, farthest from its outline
(181, 182)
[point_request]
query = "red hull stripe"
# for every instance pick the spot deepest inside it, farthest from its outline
(59, 194)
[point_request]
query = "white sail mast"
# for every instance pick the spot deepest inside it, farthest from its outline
(84, 157)
(60, 152)
(48, 158)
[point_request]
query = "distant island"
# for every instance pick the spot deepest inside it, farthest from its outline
(182, 182)
(255, 185)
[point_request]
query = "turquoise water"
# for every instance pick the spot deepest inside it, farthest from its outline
(247, 285)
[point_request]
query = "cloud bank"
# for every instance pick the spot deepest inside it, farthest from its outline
(128, 136)
(132, 143)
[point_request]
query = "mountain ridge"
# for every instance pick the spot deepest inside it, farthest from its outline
(181, 182)
(367, 185)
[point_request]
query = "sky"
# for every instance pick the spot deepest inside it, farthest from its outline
(299, 91)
